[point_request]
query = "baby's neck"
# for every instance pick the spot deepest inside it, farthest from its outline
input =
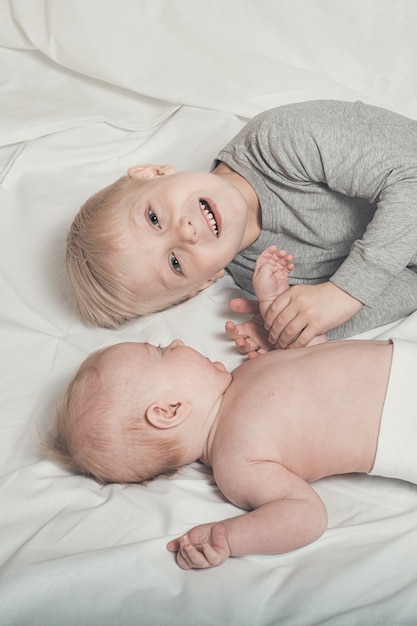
(214, 419)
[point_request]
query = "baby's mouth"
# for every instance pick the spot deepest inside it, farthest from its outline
(209, 216)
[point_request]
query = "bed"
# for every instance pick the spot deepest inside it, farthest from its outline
(88, 88)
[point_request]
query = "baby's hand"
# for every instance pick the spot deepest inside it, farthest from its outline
(251, 338)
(270, 277)
(204, 546)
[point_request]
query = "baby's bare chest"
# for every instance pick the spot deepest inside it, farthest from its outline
(294, 428)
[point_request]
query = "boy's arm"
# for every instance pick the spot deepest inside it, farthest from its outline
(303, 313)
(288, 316)
(286, 514)
(251, 338)
(361, 152)
(294, 319)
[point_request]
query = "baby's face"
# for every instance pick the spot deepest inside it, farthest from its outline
(141, 373)
(181, 231)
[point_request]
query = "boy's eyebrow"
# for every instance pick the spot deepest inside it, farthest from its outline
(135, 214)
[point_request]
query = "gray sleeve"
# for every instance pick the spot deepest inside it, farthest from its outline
(400, 299)
(362, 152)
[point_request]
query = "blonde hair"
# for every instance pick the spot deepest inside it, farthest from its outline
(100, 286)
(104, 292)
(93, 437)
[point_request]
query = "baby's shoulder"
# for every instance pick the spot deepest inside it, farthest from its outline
(232, 476)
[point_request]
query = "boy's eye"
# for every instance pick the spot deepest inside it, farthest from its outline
(153, 218)
(175, 264)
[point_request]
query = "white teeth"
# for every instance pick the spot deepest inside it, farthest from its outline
(210, 217)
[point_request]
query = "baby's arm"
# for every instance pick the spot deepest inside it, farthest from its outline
(270, 279)
(263, 331)
(275, 525)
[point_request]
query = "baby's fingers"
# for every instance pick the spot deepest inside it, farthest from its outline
(242, 305)
(232, 330)
(243, 341)
(213, 557)
(254, 353)
(203, 557)
(189, 556)
(173, 545)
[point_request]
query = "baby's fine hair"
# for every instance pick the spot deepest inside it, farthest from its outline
(99, 286)
(93, 438)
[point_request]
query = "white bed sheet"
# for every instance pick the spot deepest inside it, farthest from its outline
(89, 88)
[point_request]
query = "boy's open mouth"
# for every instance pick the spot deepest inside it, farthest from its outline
(209, 216)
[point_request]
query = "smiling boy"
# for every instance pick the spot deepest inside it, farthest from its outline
(334, 182)
(184, 226)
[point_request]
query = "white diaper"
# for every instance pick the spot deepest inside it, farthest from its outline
(396, 455)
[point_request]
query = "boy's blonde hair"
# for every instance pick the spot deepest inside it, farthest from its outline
(105, 294)
(91, 258)
(94, 437)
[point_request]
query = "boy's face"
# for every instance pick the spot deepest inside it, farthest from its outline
(141, 373)
(181, 232)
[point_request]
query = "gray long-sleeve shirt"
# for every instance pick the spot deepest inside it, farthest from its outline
(337, 187)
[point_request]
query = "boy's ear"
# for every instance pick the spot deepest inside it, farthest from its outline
(149, 171)
(167, 415)
(211, 280)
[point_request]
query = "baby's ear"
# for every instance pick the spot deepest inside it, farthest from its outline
(148, 171)
(167, 415)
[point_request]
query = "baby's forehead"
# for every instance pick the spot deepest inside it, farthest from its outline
(123, 372)
(122, 354)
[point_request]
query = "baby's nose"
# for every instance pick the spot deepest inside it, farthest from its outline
(175, 344)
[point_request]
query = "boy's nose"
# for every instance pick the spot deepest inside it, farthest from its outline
(187, 230)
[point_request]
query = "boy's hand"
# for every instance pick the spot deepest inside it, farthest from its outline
(204, 546)
(293, 320)
(304, 312)
(251, 338)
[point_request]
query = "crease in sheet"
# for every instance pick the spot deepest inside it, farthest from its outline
(12, 154)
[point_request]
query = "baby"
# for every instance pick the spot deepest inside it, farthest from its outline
(267, 430)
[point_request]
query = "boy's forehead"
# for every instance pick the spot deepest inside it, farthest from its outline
(185, 180)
